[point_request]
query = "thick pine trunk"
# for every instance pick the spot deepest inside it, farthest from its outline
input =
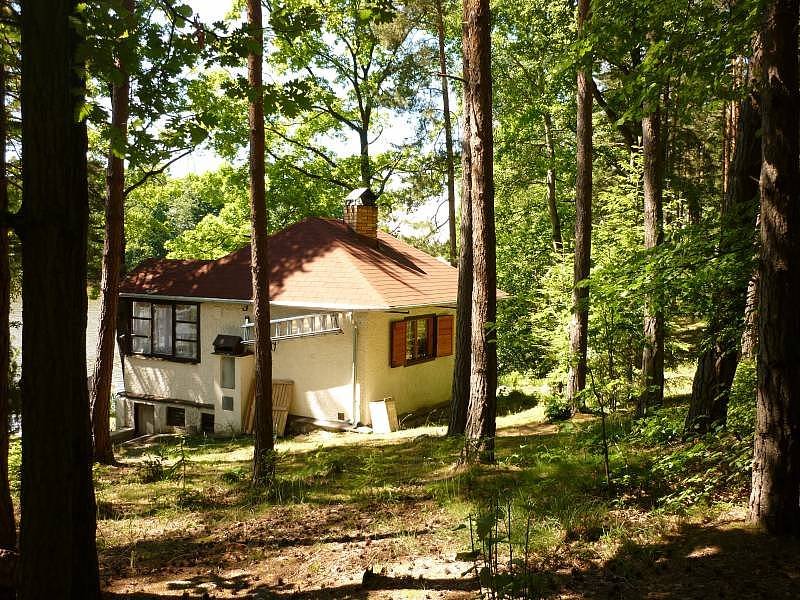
(448, 136)
(717, 365)
(552, 206)
(459, 401)
(8, 530)
(263, 453)
(113, 251)
(57, 539)
(653, 351)
(480, 428)
(775, 496)
(579, 324)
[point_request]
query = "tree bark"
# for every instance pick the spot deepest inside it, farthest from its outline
(653, 351)
(480, 427)
(264, 450)
(749, 346)
(448, 136)
(113, 251)
(57, 539)
(8, 530)
(716, 367)
(775, 496)
(579, 325)
(552, 206)
(459, 401)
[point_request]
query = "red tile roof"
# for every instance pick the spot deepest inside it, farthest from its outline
(319, 263)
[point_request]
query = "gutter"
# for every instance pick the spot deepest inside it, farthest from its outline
(356, 403)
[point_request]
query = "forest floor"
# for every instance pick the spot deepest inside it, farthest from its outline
(373, 516)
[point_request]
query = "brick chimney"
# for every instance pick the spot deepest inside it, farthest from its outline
(361, 213)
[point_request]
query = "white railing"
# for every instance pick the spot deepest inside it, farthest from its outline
(297, 327)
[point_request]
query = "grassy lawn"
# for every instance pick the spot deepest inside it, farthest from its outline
(369, 516)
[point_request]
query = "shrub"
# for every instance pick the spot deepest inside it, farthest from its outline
(556, 408)
(151, 469)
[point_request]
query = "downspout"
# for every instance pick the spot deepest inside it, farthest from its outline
(356, 403)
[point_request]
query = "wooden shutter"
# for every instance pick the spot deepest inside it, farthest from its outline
(444, 335)
(397, 344)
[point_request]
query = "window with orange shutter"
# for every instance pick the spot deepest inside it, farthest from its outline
(414, 340)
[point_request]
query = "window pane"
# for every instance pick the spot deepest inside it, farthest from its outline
(140, 345)
(227, 403)
(422, 338)
(185, 312)
(162, 329)
(141, 309)
(186, 349)
(186, 331)
(228, 372)
(410, 340)
(176, 417)
(140, 327)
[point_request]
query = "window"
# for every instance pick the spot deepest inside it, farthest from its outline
(227, 403)
(176, 417)
(419, 339)
(207, 422)
(165, 329)
(228, 372)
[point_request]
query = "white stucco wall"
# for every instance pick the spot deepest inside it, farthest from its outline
(321, 368)
(411, 387)
(195, 382)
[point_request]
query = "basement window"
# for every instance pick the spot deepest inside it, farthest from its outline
(176, 417)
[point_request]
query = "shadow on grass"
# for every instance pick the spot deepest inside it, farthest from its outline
(695, 562)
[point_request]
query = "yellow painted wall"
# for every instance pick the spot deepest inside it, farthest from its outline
(412, 387)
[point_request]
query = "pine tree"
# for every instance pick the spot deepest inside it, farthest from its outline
(775, 496)
(58, 555)
(480, 426)
(263, 453)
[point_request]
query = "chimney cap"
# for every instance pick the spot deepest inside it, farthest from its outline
(362, 196)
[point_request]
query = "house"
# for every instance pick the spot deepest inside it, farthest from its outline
(357, 316)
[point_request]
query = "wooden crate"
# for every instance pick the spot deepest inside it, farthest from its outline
(282, 394)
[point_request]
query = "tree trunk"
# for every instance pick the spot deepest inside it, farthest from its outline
(750, 331)
(579, 325)
(775, 496)
(263, 453)
(448, 136)
(364, 165)
(717, 365)
(57, 539)
(552, 207)
(459, 402)
(653, 351)
(480, 428)
(8, 530)
(113, 251)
